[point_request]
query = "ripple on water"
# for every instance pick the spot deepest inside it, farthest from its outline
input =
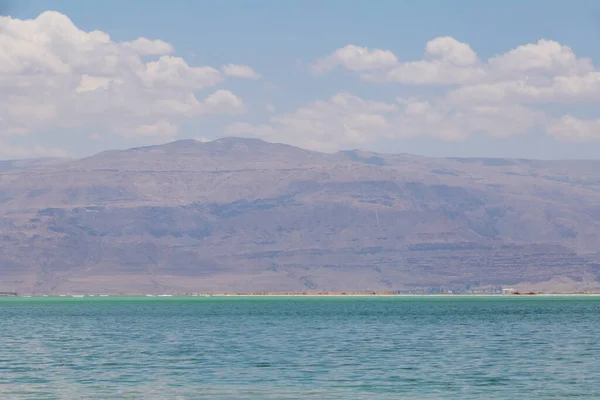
(359, 348)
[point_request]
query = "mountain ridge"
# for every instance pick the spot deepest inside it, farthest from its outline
(247, 215)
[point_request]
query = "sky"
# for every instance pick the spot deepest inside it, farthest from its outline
(462, 78)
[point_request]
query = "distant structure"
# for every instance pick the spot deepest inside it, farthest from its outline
(508, 291)
(8, 294)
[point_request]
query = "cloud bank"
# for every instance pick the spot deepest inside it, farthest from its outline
(507, 94)
(53, 74)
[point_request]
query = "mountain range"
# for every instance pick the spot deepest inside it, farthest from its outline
(246, 215)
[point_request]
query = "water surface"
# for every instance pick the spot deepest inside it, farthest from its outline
(299, 348)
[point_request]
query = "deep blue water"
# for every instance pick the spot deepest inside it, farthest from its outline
(299, 348)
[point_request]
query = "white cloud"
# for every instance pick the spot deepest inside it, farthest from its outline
(431, 72)
(556, 89)
(448, 61)
(571, 129)
(89, 83)
(53, 74)
(224, 101)
(501, 96)
(148, 47)
(355, 58)
(174, 73)
(347, 121)
(239, 71)
(221, 101)
(545, 56)
(451, 51)
(458, 123)
(343, 120)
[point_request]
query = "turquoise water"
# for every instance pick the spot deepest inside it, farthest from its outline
(300, 348)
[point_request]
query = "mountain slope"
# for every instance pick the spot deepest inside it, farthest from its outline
(243, 214)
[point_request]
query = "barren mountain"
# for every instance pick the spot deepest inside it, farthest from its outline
(246, 215)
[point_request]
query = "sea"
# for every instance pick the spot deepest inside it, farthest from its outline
(406, 347)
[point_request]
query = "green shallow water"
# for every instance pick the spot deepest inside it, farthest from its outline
(300, 348)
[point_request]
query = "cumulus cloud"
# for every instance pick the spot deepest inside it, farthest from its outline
(327, 125)
(355, 58)
(239, 71)
(501, 96)
(148, 47)
(347, 121)
(174, 73)
(457, 123)
(532, 89)
(54, 74)
(221, 101)
(224, 101)
(571, 129)
(545, 56)
(447, 61)
(452, 51)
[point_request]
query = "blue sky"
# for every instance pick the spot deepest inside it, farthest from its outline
(306, 94)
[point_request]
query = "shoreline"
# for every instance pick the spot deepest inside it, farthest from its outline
(295, 295)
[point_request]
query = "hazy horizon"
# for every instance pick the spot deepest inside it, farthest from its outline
(67, 158)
